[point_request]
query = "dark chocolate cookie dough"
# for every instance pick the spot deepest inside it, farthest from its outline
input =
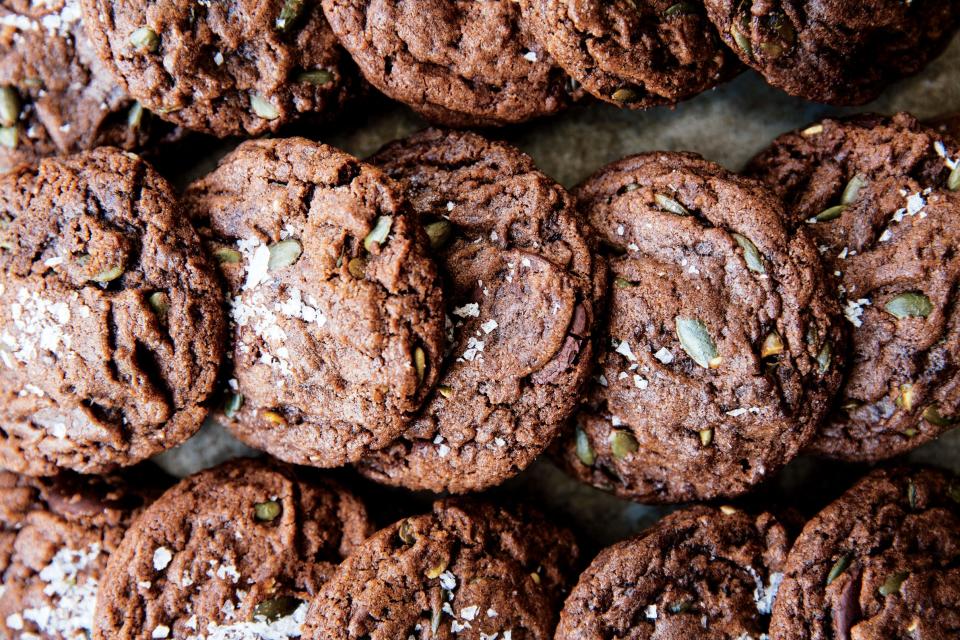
(880, 196)
(56, 535)
(835, 51)
(231, 552)
(111, 319)
(721, 357)
(704, 572)
(521, 290)
(336, 308)
(883, 561)
(56, 97)
(233, 67)
(466, 571)
(635, 54)
(456, 62)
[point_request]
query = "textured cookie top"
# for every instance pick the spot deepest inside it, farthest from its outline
(698, 573)
(56, 535)
(521, 288)
(633, 54)
(231, 552)
(457, 62)
(880, 197)
(883, 561)
(237, 67)
(336, 309)
(111, 326)
(835, 51)
(467, 570)
(720, 359)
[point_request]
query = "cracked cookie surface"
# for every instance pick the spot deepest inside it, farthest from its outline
(722, 353)
(111, 319)
(882, 561)
(880, 198)
(336, 308)
(468, 570)
(231, 552)
(239, 67)
(521, 291)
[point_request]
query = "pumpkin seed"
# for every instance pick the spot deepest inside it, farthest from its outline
(932, 415)
(267, 511)
(292, 9)
(910, 432)
(233, 404)
(825, 357)
(135, 116)
(9, 106)
(378, 235)
(750, 253)
(10, 137)
(263, 107)
(622, 443)
(108, 275)
(283, 254)
(315, 76)
(954, 491)
(585, 452)
(909, 305)
(772, 49)
(680, 8)
(439, 233)
(812, 130)
(912, 494)
(406, 533)
(953, 180)
(160, 303)
(893, 583)
(145, 40)
(226, 255)
(706, 437)
(420, 363)
(276, 608)
(830, 214)
(772, 345)
(274, 417)
(535, 577)
(905, 399)
(839, 567)
(435, 619)
(357, 267)
(727, 510)
(696, 341)
(622, 283)
(436, 570)
(852, 190)
(445, 390)
(625, 96)
(669, 204)
(742, 41)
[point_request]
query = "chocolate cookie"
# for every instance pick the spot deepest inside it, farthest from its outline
(883, 561)
(336, 306)
(111, 323)
(521, 290)
(721, 357)
(231, 552)
(56, 535)
(635, 54)
(238, 67)
(56, 97)
(467, 570)
(456, 62)
(880, 197)
(698, 573)
(835, 51)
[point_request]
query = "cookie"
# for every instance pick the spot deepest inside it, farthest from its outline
(880, 562)
(467, 570)
(879, 195)
(633, 54)
(240, 67)
(456, 62)
(702, 572)
(231, 552)
(835, 51)
(336, 308)
(111, 319)
(56, 535)
(56, 97)
(522, 288)
(722, 350)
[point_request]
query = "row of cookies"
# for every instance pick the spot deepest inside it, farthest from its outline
(260, 550)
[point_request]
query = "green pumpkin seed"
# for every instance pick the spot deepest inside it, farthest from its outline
(445, 391)
(905, 399)
(680, 8)
(813, 130)
(772, 50)
(932, 415)
(273, 417)
(750, 253)
(696, 341)
(291, 11)
(585, 452)
(669, 204)
(276, 608)
(420, 363)
(706, 437)
(910, 432)
(622, 283)
(830, 214)
(108, 275)
(742, 41)
(435, 618)
(437, 569)
(10, 137)
(439, 233)
(263, 107)
(953, 180)
(160, 303)
(226, 255)
(315, 76)
(772, 345)
(622, 443)
(145, 40)
(893, 583)
(233, 404)
(267, 511)
(535, 577)
(824, 358)
(9, 106)
(839, 567)
(852, 190)
(135, 116)
(625, 96)
(406, 532)
(357, 267)
(954, 491)
(912, 494)
(909, 305)
(377, 236)
(283, 254)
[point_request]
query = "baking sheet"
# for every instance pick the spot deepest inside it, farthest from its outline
(727, 125)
